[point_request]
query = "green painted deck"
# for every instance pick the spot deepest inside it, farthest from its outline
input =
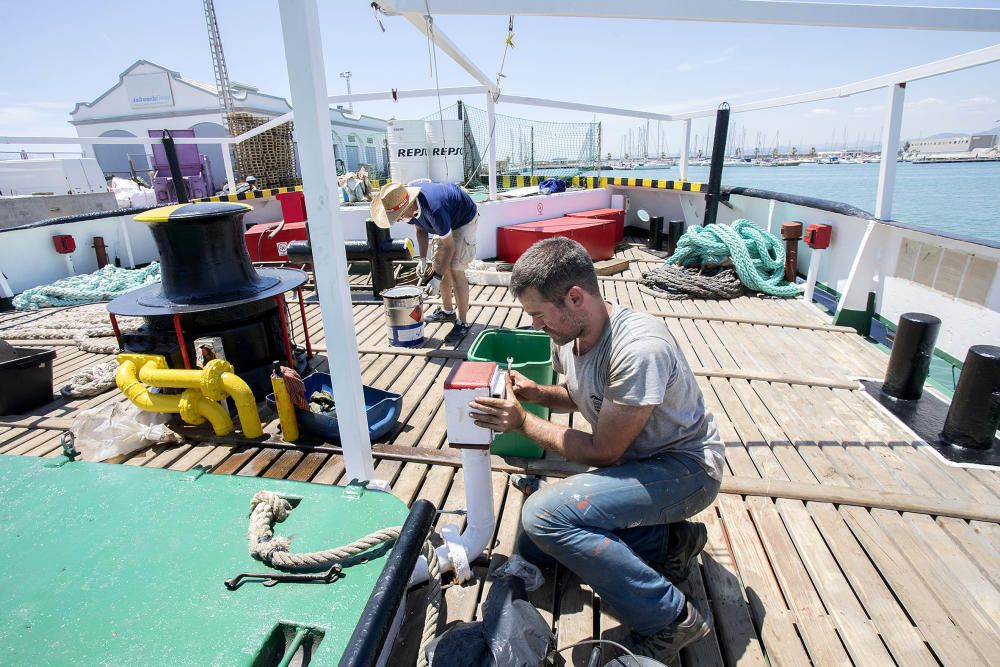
(838, 538)
(125, 566)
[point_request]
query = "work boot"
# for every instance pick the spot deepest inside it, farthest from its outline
(686, 541)
(457, 333)
(665, 645)
(440, 315)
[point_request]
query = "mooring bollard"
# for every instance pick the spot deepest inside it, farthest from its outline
(656, 233)
(974, 415)
(910, 360)
(676, 231)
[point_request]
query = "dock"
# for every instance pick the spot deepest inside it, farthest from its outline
(838, 537)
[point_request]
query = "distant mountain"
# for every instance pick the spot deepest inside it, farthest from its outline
(995, 130)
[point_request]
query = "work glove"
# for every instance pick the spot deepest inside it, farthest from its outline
(421, 267)
(433, 287)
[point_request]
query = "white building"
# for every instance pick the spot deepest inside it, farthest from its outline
(150, 97)
(966, 144)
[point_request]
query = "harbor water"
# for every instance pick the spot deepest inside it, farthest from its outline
(957, 199)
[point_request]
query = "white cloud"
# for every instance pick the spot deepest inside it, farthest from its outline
(871, 109)
(684, 68)
(981, 99)
(929, 102)
(822, 111)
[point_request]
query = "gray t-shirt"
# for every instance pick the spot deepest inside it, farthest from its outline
(637, 362)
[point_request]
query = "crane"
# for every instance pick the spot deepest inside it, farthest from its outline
(226, 105)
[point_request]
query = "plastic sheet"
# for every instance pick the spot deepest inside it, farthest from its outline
(518, 567)
(511, 634)
(119, 428)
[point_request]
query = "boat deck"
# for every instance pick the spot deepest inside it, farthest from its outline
(837, 538)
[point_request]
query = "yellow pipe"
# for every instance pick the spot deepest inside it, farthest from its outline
(193, 406)
(128, 382)
(286, 410)
(246, 404)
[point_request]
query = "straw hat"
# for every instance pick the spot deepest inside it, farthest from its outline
(390, 202)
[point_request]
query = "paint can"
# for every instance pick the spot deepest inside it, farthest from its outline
(404, 316)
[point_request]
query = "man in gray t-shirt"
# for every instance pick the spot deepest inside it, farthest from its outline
(658, 456)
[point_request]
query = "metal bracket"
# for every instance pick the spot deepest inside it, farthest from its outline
(274, 578)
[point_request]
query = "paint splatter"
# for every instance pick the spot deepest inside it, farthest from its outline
(581, 503)
(601, 547)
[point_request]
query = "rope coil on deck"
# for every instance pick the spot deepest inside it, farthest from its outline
(675, 282)
(268, 508)
(758, 257)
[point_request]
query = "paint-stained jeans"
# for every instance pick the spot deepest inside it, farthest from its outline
(606, 525)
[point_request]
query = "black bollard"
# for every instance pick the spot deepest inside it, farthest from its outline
(674, 235)
(656, 233)
(974, 415)
(910, 360)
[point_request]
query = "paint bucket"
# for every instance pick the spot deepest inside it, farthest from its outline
(408, 155)
(447, 150)
(404, 316)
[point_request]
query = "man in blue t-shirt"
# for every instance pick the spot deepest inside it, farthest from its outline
(447, 212)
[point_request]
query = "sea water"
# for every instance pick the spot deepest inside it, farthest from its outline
(957, 199)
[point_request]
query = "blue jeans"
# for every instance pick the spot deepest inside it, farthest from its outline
(607, 524)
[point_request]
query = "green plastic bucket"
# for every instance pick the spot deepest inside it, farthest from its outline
(532, 352)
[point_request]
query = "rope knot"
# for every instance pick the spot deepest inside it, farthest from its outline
(278, 506)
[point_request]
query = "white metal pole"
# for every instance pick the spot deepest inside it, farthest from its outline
(307, 82)
(491, 125)
(227, 163)
(685, 147)
(890, 146)
(126, 241)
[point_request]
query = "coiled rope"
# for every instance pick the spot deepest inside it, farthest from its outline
(267, 508)
(757, 256)
(102, 285)
(675, 282)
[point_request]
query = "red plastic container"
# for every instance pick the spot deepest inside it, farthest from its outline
(597, 236)
(817, 237)
(293, 206)
(265, 249)
(616, 214)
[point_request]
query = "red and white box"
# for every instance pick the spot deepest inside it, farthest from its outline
(468, 381)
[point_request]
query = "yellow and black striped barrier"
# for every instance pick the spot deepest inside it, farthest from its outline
(506, 183)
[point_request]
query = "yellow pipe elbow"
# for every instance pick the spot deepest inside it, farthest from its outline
(170, 378)
(196, 408)
(246, 405)
(128, 382)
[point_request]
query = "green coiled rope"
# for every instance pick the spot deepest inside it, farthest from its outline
(757, 256)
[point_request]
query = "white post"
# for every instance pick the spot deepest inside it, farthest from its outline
(127, 242)
(491, 125)
(5, 291)
(69, 263)
(685, 147)
(227, 162)
(812, 275)
(890, 146)
(307, 82)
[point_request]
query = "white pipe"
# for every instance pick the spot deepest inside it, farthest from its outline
(811, 275)
(69, 264)
(685, 148)
(890, 148)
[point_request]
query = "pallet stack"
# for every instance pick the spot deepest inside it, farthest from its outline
(269, 156)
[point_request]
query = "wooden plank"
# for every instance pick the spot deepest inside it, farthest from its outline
(949, 644)
(817, 630)
(773, 619)
(610, 267)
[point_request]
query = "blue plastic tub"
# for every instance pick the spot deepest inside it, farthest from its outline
(381, 407)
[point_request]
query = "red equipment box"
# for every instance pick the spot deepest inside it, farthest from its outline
(616, 214)
(264, 248)
(293, 206)
(597, 236)
(817, 237)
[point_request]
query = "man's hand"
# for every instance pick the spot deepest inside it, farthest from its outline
(499, 414)
(421, 268)
(524, 388)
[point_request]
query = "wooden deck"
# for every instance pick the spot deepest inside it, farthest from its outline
(837, 539)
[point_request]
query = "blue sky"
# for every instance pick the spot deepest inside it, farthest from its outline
(57, 53)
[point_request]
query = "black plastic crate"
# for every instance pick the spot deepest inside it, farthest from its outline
(26, 380)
